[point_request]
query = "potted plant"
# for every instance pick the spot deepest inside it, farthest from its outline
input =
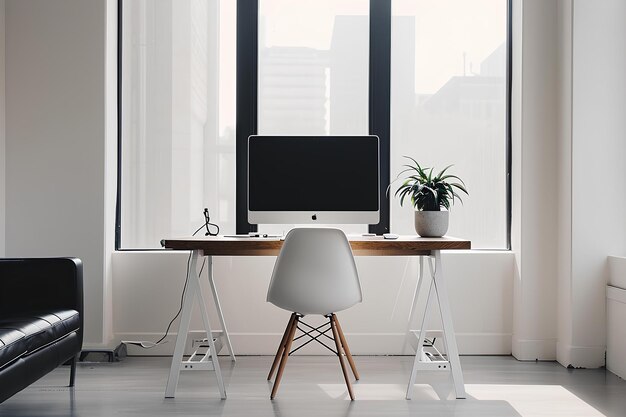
(431, 196)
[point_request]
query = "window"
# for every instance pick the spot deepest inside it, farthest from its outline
(430, 78)
(448, 100)
(178, 118)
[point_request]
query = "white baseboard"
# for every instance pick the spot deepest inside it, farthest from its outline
(484, 343)
(360, 344)
(530, 350)
(581, 356)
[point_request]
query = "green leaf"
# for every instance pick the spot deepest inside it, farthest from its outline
(403, 195)
(443, 171)
(460, 187)
(414, 161)
(445, 177)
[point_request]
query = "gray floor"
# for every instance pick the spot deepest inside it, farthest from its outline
(313, 386)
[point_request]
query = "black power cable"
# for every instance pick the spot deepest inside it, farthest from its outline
(206, 225)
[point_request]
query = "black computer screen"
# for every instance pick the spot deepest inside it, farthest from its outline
(313, 173)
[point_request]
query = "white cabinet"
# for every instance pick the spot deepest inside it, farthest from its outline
(616, 336)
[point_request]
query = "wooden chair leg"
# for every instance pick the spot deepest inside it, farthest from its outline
(333, 325)
(279, 352)
(346, 348)
(285, 356)
(73, 371)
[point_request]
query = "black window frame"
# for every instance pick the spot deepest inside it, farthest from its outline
(379, 117)
(118, 195)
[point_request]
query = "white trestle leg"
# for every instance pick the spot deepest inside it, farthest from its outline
(436, 362)
(218, 306)
(208, 361)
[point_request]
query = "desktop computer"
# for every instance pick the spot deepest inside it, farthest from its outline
(313, 179)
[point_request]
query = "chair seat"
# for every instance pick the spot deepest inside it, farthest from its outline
(315, 273)
(41, 329)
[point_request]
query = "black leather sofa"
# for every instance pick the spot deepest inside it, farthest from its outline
(41, 319)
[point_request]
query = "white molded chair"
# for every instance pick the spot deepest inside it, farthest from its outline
(315, 273)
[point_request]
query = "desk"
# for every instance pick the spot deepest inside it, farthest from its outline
(426, 248)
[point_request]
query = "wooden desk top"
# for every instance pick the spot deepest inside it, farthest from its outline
(361, 245)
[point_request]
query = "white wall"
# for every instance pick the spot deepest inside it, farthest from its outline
(2, 134)
(568, 176)
(534, 239)
(564, 28)
(147, 286)
(55, 138)
(598, 172)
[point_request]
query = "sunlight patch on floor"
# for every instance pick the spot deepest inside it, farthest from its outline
(535, 400)
(527, 400)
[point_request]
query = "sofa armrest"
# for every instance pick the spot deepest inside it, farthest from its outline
(40, 284)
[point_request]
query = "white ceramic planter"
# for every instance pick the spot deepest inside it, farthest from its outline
(431, 223)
